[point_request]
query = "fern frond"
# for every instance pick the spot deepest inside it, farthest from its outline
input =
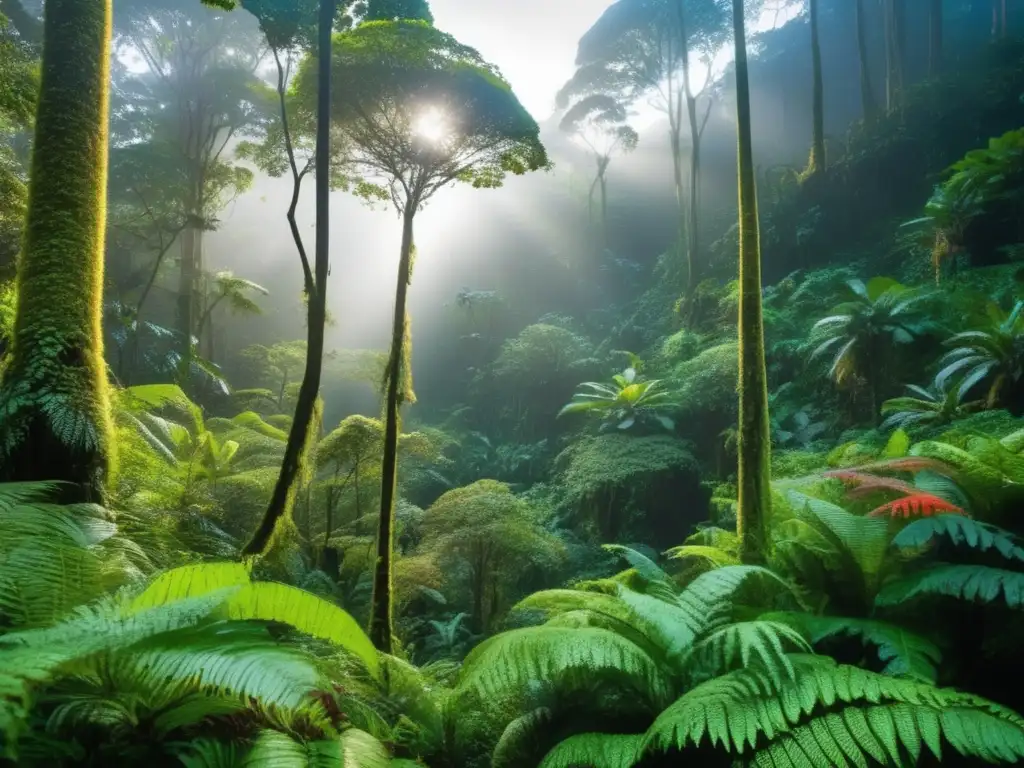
(504, 663)
(714, 594)
(904, 653)
(191, 581)
(959, 530)
(887, 732)
(923, 504)
(225, 659)
(519, 737)
(865, 483)
(751, 643)
(976, 583)
(743, 710)
(352, 749)
(596, 750)
(312, 615)
(51, 557)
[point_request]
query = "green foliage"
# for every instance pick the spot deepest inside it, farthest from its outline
(939, 404)
(612, 480)
(140, 669)
(993, 355)
(487, 539)
(876, 718)
(981, 180)
(377, 66)
(864, 331)
(707, 382)
(630, 398)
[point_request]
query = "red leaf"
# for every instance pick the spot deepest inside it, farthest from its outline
(923, 504)
(866, 483)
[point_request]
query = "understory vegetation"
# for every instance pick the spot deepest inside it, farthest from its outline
(756, 505)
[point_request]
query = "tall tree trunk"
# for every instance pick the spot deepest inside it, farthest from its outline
(301, 432)
(56, 421)
(753, 444)
(693, 202)
(818, 161)
(381, 611)
(603, 179)
(894, 55)
(187, 289)
(935, 38)
(676, 143)
(869, 106)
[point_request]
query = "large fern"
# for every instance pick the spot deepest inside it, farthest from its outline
(595, 750)
(851, 713)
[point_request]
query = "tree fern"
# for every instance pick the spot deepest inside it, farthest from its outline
(893, 734)
(266, 601)
(751, 643)
(976, 583)
(352, 749)
(305, 612)
(903, 653)
(504, 663)
(595, 750)
(849, 711)
(520, 737)
(960, 531)
(51, 557)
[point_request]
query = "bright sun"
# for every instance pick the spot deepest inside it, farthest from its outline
(431, 125)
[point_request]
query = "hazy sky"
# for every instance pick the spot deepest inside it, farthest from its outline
(533, 42)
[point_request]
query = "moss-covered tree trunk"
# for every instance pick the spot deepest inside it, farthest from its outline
(302, 431)
(753, 444)
(869, 107)
(935, 35)
(818, 160)
(381, 604)
(54, 404)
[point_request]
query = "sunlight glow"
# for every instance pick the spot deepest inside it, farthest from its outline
(432, 126)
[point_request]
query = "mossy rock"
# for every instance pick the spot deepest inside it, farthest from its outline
(625, 488)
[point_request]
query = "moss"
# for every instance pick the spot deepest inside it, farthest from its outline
(682, 345)
(707, 382)
(996, 423)
(619, 487)
(797, 463)
(54, 403)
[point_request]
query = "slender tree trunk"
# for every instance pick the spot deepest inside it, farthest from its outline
(56, 421)
(894, 53)
(935, 39)
(301, 432)
(869, 106)
(677, 174)
(693, 202)
(753, 445)
(604, 210)
(187, 285)
(381, 605)
(818, 161)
